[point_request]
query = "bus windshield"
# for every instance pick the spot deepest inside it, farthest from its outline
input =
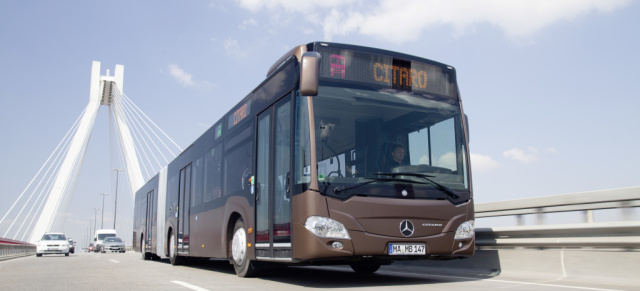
(361, 134)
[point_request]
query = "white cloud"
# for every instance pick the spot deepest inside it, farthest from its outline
(404, 20)
(185, 78)
(527, 156)
(423, 160)
(482, 163)
(181, 76)
(232, 48)
(447, 160)
(247, 22)
(297, 6)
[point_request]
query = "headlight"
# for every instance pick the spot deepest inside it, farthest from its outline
(326, 227)
(465, 230)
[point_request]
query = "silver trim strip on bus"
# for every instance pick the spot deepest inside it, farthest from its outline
(282, 245)
(275, 245)
(275, 259)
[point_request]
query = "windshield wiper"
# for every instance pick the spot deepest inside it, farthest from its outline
(373, 179)
(452, 193)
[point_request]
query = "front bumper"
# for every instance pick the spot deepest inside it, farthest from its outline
(52, 249)
(367, 245)
(115, 248)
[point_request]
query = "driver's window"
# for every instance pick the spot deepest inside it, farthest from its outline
(443, 144)
(434, 146)
(419, 146)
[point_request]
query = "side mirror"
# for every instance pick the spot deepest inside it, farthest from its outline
(309, 73)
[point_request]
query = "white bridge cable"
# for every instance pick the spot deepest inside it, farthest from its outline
(145, 140)
(125, 202)
(65, 141)
(119, 111)
(70, 187)
(147, 134)
(154, 124)
(72, 129)
(140, 120)
(153, 149)
(50, 183)
(169, 149)
(45, 189)
(137, 120)
(138, 127)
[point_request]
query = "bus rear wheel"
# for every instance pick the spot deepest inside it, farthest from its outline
(145, 256)
(173, 251)
(242, 265)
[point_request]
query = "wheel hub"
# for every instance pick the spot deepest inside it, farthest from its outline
(239, 246)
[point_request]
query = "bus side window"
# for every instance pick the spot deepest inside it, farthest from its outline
(213, 173)
(238, 165)
(197, 182)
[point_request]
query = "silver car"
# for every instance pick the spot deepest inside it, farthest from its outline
(112, 244)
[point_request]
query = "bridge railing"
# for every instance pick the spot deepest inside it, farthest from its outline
(620, 234)
(12, 249)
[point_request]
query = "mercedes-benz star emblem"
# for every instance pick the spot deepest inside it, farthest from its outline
(406, 228)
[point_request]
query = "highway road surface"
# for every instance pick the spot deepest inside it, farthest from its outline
(116, 271)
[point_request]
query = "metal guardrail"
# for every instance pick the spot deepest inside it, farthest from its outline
(12, 249)
(621, 234)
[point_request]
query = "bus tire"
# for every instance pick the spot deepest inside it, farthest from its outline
(242, 265)
(145, 256)
(365, 268)
(173, 251)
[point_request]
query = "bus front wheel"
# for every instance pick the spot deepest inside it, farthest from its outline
(242, 265)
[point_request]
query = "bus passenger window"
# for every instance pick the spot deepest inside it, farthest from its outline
(238, 165)
(213, 173)
(197, 182)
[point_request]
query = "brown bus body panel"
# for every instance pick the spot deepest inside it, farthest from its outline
(374, 222)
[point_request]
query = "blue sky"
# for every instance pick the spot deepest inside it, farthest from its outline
(550, 87)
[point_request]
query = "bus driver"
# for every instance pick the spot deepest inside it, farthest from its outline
(397, 157)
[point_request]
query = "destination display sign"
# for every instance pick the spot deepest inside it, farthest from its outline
(239, 114)
(385, 71)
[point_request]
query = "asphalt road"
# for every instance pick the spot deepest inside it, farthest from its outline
(115, 271)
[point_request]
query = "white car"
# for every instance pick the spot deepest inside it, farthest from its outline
(52, 243)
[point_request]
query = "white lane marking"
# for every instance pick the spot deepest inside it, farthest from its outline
(114, 261)
(507, 281)
(564, 270)
(192, 287)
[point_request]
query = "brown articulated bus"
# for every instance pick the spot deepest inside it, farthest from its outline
(342, 155)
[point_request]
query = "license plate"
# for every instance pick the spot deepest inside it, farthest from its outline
(407, 249)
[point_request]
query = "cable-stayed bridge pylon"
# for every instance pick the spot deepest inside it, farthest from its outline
(138, 141)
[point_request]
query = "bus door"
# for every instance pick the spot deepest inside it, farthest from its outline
(273, 177)
(184, 197)
(149, 235)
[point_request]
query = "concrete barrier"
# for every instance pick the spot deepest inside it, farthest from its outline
(10, 251)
